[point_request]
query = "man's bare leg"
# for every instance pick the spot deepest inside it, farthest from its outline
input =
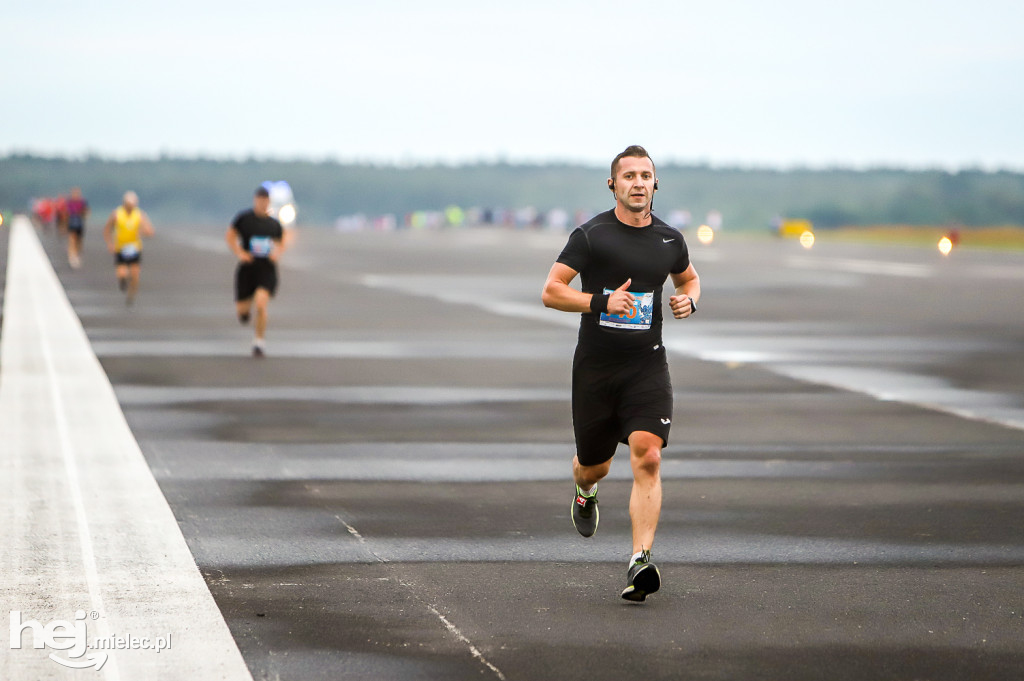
(645, 499)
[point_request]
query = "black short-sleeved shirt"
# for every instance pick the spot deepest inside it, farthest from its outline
(257, 232)
(606, 252)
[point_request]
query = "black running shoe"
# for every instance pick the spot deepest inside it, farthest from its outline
(257, 352)
(644, 579)
(584, 512)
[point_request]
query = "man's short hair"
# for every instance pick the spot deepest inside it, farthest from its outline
(262, 191)
(635, 151)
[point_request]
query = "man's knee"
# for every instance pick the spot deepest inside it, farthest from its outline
(645, 452)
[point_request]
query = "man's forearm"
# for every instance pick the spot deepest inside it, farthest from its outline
(566, 298)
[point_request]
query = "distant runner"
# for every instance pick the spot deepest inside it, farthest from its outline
(621, 390)
(75, 211)
(124, 231)
(257, 240)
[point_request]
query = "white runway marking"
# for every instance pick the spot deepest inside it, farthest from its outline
(472, 648)
(842, 363)
(139, 395)
(860, 266)
(74, 478)
(452, 629)
(688, 546)
(67, 449)
(489, 462)
(922, 391)
(419, 349)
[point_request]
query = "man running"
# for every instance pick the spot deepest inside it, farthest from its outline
(123, 232)
(621, 390)
(76, 210)
(257, 240)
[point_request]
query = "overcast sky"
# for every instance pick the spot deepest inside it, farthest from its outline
(916, 83)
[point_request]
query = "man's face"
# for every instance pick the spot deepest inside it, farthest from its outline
(634, 183)
(261, 205)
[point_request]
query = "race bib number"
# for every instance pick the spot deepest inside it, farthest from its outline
(260, 246)
(129, 250)
(638, 318)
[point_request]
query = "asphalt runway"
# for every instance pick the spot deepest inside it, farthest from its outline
(386, 495)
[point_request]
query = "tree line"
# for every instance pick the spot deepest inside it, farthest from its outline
(211, 191)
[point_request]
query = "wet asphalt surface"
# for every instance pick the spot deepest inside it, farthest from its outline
(386, 494)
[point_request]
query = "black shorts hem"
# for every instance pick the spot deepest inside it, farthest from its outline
(655, 426)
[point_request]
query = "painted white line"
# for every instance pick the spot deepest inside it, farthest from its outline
(38, 305)
(82, 521)
(920, 391)
(452, 629)
(138, 395)
(425, 349)
(472, 648)
(778, 356)
(859, 266)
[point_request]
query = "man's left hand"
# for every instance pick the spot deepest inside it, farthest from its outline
(681, 306)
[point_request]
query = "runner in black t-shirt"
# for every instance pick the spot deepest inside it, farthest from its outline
(257, 240)
(621, 391)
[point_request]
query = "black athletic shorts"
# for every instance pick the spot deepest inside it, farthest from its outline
(127, 260)
(260, 273)
(612, 398)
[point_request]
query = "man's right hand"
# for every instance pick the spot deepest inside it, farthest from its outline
(245, 256)
(621, 301)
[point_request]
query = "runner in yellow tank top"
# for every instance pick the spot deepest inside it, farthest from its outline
(125, 228)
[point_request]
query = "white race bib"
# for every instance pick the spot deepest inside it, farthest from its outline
(638, 318)
(260, 246)
(129, 250)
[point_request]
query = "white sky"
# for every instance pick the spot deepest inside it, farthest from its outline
(752, 82)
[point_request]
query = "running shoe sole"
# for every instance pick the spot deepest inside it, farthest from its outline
(645, 581)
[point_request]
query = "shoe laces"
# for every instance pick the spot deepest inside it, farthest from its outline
(645, 557)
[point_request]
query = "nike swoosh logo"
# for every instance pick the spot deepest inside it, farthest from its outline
(665, 241)
(666, 421)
